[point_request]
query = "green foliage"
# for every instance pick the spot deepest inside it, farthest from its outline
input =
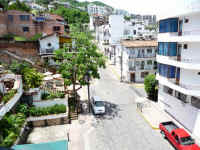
(150, 84)
(10, 126)
(20, 38)
(85, 59)
(152, 27)
(36, 37)
(8, 95)
(127, 18)
(23, 108)
(4, 3)
(72, 16)
(40, 111)
(31, 77)
(21, 6)
(51, 95)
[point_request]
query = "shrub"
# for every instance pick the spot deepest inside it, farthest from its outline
(8, 95)
(150, 84)
(51, 95)
(56, 109)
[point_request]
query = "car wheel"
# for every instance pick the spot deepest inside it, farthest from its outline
(163, 134)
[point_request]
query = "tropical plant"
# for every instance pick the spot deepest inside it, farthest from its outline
(21, 6)
(8, 95)
(151, 84)
(77, 61)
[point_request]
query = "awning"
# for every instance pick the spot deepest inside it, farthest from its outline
(57, 145)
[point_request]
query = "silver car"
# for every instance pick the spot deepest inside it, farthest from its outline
(97, 105)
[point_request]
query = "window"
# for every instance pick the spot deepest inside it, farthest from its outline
(168, 90)
(149, 62)
(139, 28)
(181, 96)
(24, 17)
(49, 44)
(144, 74)
(149, 51)
(185, 46)
(186, 20)
(195, 101)
(25, 29)
(10, 18)
(56, 28)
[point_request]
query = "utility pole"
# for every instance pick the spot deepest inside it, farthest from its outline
(121, 63)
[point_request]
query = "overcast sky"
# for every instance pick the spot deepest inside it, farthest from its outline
(159, 7)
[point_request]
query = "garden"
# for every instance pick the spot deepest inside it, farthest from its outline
(11, 124)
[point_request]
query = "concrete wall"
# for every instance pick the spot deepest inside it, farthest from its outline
(53, 40)
(116, 28)
(187, 115)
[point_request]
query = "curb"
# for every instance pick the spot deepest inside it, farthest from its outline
(154, 128)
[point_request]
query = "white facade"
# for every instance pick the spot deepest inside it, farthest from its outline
(96, 10)
(48, 44)
(138, 62)
(179, 92)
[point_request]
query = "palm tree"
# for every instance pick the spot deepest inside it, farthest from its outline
(4, 4)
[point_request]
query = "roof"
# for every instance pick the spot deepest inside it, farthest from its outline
(48, 35)
(57, 145)
(97, 98)
(138, 43)
(181, 132)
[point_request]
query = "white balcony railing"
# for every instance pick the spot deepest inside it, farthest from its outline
(47, 51)
(8, 106)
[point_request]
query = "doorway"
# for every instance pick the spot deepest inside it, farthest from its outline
(132, 77)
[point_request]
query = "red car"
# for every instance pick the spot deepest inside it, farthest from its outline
(179, 138)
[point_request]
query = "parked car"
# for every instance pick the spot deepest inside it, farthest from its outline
(179, 138)
(97, 105)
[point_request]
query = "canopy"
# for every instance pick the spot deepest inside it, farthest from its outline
(57, 145)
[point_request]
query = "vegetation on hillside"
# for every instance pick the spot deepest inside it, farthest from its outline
(72, 16)
(19, 6)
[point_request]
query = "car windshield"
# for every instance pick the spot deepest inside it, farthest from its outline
(187, 140)
(99, 103)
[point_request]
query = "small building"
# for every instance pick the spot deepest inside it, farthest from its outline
(138, 59)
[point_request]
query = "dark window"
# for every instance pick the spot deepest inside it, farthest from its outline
(56, 28)
(195, 101)
(181, 96)
(168, 90)
(144, 74)
(149, 62)
(25, 29)
(24, 17)
(149, 50)
(186, 20)
(10, 18)
(185, 46)
(198, 73)
(49, 44)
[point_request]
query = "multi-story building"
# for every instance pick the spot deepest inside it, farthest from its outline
(95, 10)
(138, 59)
(179, 69)
(27, 25)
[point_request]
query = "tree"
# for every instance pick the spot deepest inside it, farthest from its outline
(127, 18)
(77, 61)
(4, 4)
(21, 6)
(151, 84)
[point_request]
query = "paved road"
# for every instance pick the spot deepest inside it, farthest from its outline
(122, 128)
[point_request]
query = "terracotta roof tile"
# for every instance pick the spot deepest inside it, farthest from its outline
(138, 43)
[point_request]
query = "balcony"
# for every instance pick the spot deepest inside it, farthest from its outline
(48, 51)
(141, 68)
(39, 18)
(187, 89)
(191, 64)
(142, 56)
(4, 108)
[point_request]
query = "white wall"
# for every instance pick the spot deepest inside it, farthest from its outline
(116, 28)
(189, 77)
(193, 24)
(54, 40)
(183, 112)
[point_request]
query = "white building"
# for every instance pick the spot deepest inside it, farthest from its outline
(95, 10)
(48, 44)
(138, 59)
(179, 69)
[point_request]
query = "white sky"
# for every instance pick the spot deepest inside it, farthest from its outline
(158, 7)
